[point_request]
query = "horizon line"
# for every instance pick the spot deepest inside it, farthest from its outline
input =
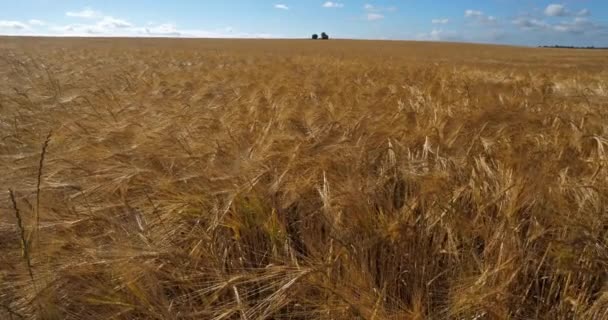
(184, 37)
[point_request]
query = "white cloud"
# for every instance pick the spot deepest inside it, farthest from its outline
(15, 25)
(560, 10)
(330, 4)
(438, 35)
(435, 34)
(106, 26)
(374, 16)
(78, 29)
(371, 15)
(440, 21)
(86, 13)
(375, 13)
(35, 22)
(281, 6)
(584, 13)
(110, 22)
(165, 29)
(372, 8)
(529, 24)
(578, 25)
(555, 10)
(115, 29)
(480, 17)
(472, 13)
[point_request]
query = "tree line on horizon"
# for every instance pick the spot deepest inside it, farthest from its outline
(573, 47)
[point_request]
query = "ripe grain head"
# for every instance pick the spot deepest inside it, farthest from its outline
(289, 179)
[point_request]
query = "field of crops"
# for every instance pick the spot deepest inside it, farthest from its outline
(293, 179)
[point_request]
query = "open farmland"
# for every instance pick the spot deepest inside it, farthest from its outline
(288, 179)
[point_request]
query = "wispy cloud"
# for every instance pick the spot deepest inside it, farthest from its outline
(579, 25)
(440, 21)
(584, 13)
(14, 25)
(86, 13)
(472, 13)
(372, 8)
(560, 10)
(438, 35)
(166, 29)
(575, 25)
(479, 16)
(101, 25)
(153, 30)
(111, 22)
(330, 4)
(530, 23)
(375, 13)
(374, 16)
(281, 6)
(36, 22)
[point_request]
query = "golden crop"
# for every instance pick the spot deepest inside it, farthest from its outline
(285, 179)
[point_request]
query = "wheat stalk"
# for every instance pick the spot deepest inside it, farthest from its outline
(39, 180)
(22, 235)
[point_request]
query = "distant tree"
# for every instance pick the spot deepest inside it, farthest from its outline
(324, 36)
(315, 36)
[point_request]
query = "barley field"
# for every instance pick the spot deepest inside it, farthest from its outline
(294, 179)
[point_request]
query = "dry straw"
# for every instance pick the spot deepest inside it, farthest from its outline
(216, 179)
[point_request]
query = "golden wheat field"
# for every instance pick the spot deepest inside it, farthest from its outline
(291, 179)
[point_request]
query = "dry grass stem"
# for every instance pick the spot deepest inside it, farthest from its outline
(287, 179)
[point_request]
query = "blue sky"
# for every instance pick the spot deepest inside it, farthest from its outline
(521, 22)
